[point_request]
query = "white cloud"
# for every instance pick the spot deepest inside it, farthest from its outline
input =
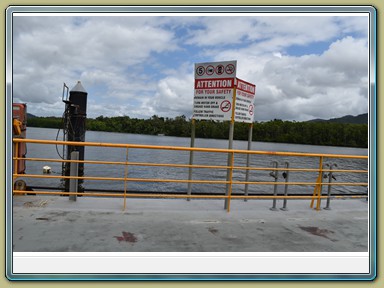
(357, 24)
(216, 31)
(100, 51)
(141, 66)
(278, 55)
(348, 55)
(174, 96)
(309, 86)
(267, 33)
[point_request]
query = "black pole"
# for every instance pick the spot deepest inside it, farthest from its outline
(76, 117)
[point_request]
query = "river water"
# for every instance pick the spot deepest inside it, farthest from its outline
(182, 157)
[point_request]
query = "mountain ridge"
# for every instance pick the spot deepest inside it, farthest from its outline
(347, 119)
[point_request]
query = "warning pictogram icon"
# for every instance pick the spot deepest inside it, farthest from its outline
(230, 69)
(210, 70)
(200, 70)
(225, 106)
(250, 109)
(219, 69)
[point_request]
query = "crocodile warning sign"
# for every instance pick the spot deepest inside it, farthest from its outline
(245, 96)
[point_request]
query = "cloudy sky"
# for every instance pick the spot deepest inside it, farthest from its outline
(304, 67)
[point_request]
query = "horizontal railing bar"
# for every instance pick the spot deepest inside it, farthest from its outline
(139, 195)
(187, 166)
(127, 194)
(177, 165)
(122, 179)
(188, 181)
(298, 169)
(70, 161)
(178, 148)
(95, 190)
(303, 183)
(124, 163)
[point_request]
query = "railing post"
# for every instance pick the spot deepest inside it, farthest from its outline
(286, 176)
(275, 175)
(16, 162)
(330, 176)
(125, 179)
(231, 181)
(319, 186)
(15, 146)
(73, 172)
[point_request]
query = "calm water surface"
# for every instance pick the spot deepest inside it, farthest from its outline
(181, 157)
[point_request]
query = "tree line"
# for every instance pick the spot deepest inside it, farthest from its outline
(313, 133)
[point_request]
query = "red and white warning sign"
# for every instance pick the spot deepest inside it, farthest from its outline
(245, 96)
(215, 84)
(214, 88)
(213, 99)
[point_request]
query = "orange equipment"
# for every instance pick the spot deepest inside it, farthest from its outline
(19, 123)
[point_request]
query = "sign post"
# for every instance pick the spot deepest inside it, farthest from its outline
(191, 157)
(250, 130)
(214, 99)
(245, 97)
(220, 96)
(228, 189)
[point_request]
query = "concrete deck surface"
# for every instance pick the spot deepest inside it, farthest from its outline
(55, 224)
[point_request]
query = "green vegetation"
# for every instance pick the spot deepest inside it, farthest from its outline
(314, 133)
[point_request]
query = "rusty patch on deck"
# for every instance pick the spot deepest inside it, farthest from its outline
(318, 232)
(213, 230)
(43, 218)
(127, 237)
(41, 203)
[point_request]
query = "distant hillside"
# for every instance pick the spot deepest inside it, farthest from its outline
(29, 116)
(349, 119)
(310, 133)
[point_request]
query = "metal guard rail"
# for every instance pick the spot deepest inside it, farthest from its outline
(317, 194)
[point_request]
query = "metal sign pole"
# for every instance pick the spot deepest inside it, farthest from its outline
(228, 190)
(250, 130)
(193, 132)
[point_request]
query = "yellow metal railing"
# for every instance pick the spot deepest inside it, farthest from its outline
(318, 183)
